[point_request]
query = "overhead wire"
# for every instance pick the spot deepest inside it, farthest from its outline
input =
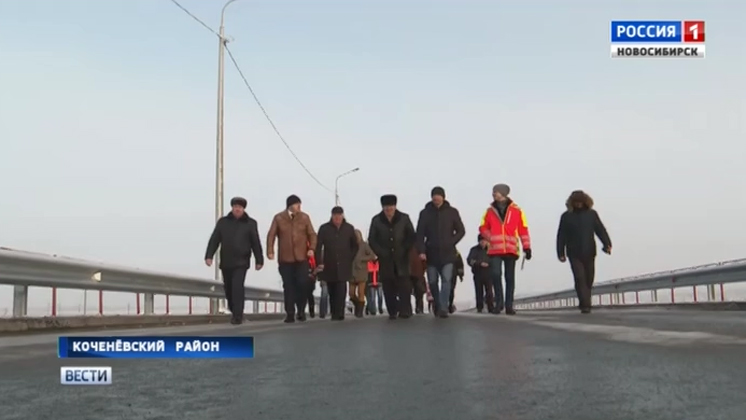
(196, 19)
(254, 96)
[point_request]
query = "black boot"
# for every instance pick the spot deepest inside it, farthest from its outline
(289, 319)
(509, 310)
(359, 308)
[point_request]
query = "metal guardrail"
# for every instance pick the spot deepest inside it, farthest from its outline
(23, 269)
(710, 275)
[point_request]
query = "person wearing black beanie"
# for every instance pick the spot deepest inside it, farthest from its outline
(235, 255)
(391, 236)
(439, 230)
(296, 241)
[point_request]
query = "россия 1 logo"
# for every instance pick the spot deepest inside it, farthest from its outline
(658, 39)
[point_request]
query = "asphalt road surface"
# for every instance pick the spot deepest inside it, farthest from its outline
(648, 364)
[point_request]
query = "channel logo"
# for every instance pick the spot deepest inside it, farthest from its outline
(76, 375)
(658, 39)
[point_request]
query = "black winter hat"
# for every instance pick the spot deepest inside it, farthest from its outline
(388, 200)
(238, 201)
(338, 210)
(480, 237)
(293, 199)
(438, 191)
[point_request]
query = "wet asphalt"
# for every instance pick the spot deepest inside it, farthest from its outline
(653, 365)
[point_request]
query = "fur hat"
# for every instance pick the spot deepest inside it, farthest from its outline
(238, 201)
(388, 200)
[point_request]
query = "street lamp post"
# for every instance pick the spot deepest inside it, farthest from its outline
(217, 304)
(336, 184)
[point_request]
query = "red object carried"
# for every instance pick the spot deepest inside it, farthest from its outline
(373, 270)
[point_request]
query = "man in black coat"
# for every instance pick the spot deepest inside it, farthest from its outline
(479, 262)
(237, 236)
(439, 229)
(391, 236)
(576, 242)
(336, 247)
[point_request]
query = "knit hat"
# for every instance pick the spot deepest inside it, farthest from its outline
(503, 189)
(293, 199)
(388, 200)
(438, 191)
(238, 201)
(480, 238)
(337, 210)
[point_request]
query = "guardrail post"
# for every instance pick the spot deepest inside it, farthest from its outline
(214, 306)
(654, 296)
(722, 292)
(148, 303)
(255, 306)
(20, 301)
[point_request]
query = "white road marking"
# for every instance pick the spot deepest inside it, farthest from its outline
(638, 335)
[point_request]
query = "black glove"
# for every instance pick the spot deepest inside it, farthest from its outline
(528, 253)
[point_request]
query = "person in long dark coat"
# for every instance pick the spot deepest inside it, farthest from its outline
(336, 247)
(391, 236)
(576, 242)
(237, 236)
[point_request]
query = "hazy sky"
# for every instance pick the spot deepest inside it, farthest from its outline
(107, 124)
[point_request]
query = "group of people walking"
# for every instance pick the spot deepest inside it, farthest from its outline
(399, 259)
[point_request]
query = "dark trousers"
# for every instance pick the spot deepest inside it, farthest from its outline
(583, 270)
(233, 283)
(397, 291)
(496, 273)
(337, 297)
(483, 289)
(418, 290)
(294, 285)
(310, 298)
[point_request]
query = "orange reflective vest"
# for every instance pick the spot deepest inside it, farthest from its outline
(503, 235)
(373, 270)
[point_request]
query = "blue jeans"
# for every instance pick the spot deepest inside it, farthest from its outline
(374, 294)
(324, 302)
(496, 273)
(442, 295)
